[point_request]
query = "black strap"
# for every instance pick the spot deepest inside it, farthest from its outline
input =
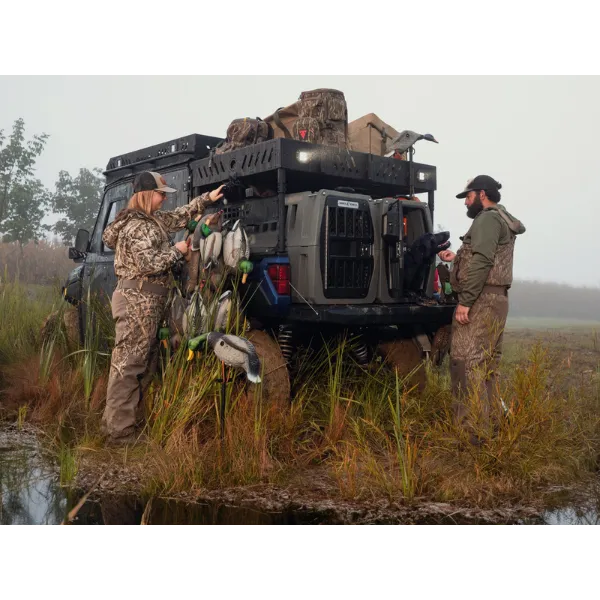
(346, 125)
(256, 132)
(270, 132)
(279, 123)
(212, 153)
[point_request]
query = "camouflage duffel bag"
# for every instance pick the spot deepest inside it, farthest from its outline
(318, 117)
(328, 108)
(245, 132)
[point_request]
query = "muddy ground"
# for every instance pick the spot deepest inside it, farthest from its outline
(313, 497)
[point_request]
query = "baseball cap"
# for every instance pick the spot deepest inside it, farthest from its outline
(149, 181)
(481, 182)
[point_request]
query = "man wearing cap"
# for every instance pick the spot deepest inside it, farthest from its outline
(144, 256)
(481, 274)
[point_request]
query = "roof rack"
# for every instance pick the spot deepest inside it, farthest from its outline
(179, 150)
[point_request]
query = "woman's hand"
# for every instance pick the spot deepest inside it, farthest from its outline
(182, 247)
(216, 194)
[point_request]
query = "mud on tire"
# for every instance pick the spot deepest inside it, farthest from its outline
(275, 377)
(403, 355)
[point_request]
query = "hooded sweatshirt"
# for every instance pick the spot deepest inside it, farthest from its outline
(141, 242)
(486, 254)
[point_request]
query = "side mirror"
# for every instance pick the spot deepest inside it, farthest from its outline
(81, 245)
(82, 240)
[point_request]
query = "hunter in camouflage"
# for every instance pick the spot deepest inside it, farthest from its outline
(482, 273)
(144, 256)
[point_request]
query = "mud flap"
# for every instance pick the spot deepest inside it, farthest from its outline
(422, 341)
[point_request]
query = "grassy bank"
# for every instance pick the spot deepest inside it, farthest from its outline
(364, 432)
(23, 309)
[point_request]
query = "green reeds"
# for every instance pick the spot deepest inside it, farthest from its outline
(68, 465)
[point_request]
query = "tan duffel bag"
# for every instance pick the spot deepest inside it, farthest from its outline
(370, 134)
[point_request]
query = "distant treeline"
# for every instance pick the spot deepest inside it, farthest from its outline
(44, 263)
(47, 262)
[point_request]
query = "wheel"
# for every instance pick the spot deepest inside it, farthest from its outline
(70, 322)
(403, 355)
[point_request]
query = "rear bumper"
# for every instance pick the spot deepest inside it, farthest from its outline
(372, 314)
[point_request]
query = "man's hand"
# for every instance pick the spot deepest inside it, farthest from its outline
(447, 255)
(216, 194)
(462, 314)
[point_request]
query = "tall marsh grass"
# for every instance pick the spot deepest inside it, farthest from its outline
(23, 309)
(367, 431)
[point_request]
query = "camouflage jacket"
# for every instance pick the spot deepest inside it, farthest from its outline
(141, 243)
(486, 254)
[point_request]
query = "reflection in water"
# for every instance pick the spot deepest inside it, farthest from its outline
(586, 515)
(29, 484)
(128, 510)
(30, 493)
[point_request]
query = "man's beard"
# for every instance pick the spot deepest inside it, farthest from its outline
(475, 208)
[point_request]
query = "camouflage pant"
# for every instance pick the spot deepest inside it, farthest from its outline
(475, 357)
(138, 316)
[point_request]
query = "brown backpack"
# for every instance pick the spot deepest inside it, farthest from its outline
(370, 134)
(282, 121)
(318, 117)
(245, 132)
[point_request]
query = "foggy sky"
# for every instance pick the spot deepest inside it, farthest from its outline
(537, 135)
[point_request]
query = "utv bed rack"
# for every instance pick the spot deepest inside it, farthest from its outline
(312, 167)
(283, 166)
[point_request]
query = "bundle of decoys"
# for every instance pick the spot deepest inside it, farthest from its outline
(216, 247)
(201, 311)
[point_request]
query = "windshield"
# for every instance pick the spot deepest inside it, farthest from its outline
(115, 198)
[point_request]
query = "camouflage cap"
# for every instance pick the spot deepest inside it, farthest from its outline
(149, 180)
(481, 182)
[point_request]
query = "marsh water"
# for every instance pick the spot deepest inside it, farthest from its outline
(31, 494)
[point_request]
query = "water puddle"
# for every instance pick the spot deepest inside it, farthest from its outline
(30, 491)
(128, 510)
(31, 494)
(572, 516)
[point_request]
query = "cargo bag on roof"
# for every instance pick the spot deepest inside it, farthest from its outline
(318, 117)
(370, 134)
(245, 132)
